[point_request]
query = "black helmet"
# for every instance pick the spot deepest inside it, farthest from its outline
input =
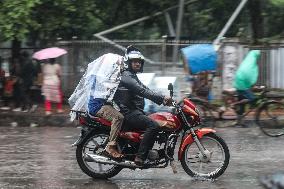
(132, 53)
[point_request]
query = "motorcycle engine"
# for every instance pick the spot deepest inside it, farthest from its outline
(153, 155)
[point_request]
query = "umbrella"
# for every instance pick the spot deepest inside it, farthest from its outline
(47, 53)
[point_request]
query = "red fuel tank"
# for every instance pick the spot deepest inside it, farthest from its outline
(166, 120)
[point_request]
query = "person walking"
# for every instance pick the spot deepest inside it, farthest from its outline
(28, 74)
(2, 80)
(51, 86)
(8, 91)
(19, 97)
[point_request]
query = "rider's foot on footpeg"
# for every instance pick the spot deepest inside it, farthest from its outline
(112, 152)
(106, 154)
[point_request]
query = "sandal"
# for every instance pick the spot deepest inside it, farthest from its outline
(112, 152)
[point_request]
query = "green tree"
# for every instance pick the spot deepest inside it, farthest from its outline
(15, 20)
(60, 19)
(43, 21)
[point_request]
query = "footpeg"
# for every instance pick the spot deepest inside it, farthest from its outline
(173, 166)
(105, 160)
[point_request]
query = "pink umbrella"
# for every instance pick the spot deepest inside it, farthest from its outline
(47, 53)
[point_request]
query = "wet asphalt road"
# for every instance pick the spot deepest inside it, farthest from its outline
(42, 157)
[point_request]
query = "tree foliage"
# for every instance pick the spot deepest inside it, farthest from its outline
(15, 18)
(44, 21)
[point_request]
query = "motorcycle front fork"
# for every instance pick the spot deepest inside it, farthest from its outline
(201, 148)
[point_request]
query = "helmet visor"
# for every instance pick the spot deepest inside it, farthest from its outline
(135, 56)
(136, 60)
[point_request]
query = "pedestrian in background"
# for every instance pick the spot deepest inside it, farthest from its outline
(24, 73)
(28, 73)
(2, 80)
(36, 97)
(51, 87)
(8, 91)
(18, 89)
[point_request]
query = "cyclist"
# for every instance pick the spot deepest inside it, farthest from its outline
(245, 78)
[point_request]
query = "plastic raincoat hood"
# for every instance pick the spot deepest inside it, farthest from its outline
(247, 73)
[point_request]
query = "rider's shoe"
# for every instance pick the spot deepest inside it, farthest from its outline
(138, 161)
(112, 152)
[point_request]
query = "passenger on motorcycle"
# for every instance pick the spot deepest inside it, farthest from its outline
(100, 107)
(130, 99)
(94, 95)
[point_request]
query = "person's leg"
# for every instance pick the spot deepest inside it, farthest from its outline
(34, 99)
(109, 113)
(248, 94)
(245, 97)
(29, 97)
(17, 96)
(6, 102)
(151, 127)
(47, 105)
(59, 107)
(25, 98)
(59, 104)
(241, 101)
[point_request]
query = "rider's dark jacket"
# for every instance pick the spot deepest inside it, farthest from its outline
(131, 93)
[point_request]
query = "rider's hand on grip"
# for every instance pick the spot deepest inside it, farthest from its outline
(168, 101)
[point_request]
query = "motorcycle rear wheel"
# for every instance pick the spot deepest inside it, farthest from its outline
(95, 144)
(193, 163)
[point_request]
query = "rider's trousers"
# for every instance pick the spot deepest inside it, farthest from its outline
(109, 113)
(139, 121)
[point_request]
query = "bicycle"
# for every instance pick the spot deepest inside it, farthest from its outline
(268, 111)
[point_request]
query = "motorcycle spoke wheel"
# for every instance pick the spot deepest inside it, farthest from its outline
(211, 166)
(270, 119)
(95, 145)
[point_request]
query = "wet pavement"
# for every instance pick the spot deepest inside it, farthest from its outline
(42, 157)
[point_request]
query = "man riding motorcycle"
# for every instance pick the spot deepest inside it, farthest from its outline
(130, 99)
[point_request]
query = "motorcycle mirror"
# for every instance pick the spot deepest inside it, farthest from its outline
(171, 89)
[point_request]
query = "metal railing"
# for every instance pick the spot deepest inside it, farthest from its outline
(80, 53)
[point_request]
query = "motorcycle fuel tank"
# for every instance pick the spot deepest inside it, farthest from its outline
(166, 120)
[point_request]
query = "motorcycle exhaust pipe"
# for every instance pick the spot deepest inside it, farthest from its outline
(104, 160)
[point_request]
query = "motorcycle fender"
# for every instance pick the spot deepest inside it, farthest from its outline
(82, 136)
(189, 139)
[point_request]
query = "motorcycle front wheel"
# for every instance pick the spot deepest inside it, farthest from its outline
(211, 166)
(95, 144)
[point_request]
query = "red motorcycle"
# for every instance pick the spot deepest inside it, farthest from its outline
(201, 152)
